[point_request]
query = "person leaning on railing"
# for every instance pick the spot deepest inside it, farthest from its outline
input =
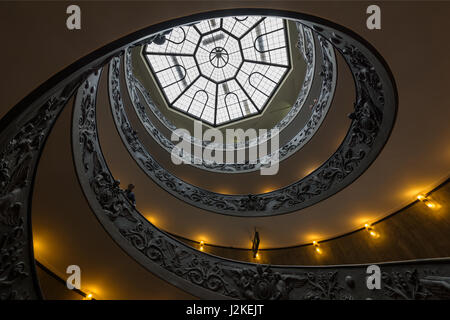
(130, 194)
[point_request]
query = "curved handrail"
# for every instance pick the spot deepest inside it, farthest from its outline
(202, 198)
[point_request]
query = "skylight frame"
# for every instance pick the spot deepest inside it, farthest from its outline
(255, 108)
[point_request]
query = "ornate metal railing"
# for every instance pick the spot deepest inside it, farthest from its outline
(24, 131)
(306, 47)
(205, 199)
(211, 277)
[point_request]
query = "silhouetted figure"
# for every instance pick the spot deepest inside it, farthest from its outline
(130, 194)
(311, 106)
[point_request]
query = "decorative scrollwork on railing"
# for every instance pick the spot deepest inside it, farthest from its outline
(321, 107)
(211, 277)
(169, 182)
(22, 142)
(371, 121)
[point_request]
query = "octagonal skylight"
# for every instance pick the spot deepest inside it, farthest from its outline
(221, 70)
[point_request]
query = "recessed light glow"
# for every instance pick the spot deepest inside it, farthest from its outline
(371, 231)
(317, 247)
(88, 296)
(427, 201)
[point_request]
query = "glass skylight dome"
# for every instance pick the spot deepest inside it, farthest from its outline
(221, 70)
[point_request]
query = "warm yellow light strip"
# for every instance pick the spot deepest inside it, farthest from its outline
(368, 227)
(317, 245)
(427, 201)
(371, 231)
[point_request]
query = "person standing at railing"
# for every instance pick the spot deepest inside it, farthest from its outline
(130, 194)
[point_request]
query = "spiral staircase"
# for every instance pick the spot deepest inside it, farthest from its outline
(337, 204)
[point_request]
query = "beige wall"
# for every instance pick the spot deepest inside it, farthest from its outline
(415, 232)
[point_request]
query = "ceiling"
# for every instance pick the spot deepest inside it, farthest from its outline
(206, 70)
(277, 107)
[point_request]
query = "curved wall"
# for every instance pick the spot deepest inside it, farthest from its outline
(415, 232)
